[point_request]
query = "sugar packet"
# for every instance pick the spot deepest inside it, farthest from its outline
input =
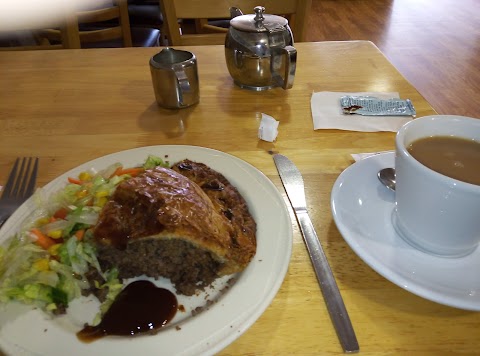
(372, 106)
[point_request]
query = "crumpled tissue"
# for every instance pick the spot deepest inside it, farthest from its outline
(268, 129)
(327, 114)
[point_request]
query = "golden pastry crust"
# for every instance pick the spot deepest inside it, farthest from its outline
(229, 202)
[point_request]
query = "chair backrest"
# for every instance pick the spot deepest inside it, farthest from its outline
(109, 21)
(174, 11)
(26, 40)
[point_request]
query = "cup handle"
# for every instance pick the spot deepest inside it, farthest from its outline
(290, 54)
(183, 82)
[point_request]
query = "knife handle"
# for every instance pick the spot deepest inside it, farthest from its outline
(326, 280)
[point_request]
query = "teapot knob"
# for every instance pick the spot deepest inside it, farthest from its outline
(259, 10)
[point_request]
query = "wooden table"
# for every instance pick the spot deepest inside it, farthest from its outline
(71, 106)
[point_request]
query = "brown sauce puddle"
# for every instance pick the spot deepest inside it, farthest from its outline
(139, 308)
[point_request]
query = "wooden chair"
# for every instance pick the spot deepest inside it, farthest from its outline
(175, 11)
(26, 40)
(105, 26)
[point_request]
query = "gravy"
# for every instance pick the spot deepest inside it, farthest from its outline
(139, 308)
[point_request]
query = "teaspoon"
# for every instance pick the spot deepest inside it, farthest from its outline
(387, 177)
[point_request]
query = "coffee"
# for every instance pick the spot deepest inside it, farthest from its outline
(454, 157)
(435, 212)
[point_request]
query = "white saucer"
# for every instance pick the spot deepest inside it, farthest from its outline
(362, 209)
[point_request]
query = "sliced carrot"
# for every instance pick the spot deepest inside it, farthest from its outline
(42, 240)
(61, 213)
(74, 181)
(117, 171)
(131, 171)
(79, 234)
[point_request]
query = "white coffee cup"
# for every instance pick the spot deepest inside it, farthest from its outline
(435, 213)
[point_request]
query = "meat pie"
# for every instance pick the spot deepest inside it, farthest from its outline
(188, 224)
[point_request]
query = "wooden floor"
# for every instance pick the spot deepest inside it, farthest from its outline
(435, 44)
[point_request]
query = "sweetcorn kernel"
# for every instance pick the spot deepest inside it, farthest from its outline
(100, 202)
(53, 250)
(84, 176)
(55, 234)
(41, 264)
(101, 194)
(81, 193)
(43, 221)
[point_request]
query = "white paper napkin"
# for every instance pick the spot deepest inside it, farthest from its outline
(268, 129)
(327, 114)
(360, 156)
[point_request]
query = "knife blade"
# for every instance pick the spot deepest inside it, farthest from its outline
(293, 183)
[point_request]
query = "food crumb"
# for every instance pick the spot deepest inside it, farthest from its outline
(181, 307)
(178, 327)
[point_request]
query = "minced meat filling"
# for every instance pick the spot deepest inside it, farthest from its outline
(188, 267)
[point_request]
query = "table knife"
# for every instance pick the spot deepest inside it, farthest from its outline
(293, 183)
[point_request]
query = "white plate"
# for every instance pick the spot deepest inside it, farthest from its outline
(362, 209)
(26, 331)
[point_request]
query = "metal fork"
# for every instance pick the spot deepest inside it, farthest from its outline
(20, 186)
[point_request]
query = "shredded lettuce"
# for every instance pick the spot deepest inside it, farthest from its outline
(114, 287)
(154, 161)
(52, 277)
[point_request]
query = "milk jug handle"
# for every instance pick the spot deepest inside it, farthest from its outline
(183, 83)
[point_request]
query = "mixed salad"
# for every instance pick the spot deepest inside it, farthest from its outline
(48, 263)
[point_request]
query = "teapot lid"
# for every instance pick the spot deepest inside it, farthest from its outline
(259, 22)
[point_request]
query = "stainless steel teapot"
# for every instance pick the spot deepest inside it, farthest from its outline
(259, 50)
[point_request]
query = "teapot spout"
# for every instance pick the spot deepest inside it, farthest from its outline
(235, 11)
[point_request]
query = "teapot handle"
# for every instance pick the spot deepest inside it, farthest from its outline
(290, 54)
(235, 11)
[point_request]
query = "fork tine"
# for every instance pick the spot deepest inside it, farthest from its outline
(21, 177)
(33, 179)
(25, 178)
(7, 191)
